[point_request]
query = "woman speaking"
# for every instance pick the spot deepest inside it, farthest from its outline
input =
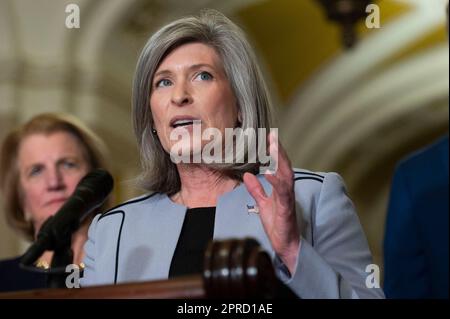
(199, 73)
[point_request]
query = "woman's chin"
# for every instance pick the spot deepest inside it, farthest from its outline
(186, 153)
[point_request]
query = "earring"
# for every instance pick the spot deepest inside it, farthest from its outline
(153, 131)
(27, 217)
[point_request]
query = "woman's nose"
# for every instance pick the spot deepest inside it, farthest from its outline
(181, 95)
(55, 180)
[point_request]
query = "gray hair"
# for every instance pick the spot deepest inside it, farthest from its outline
(214, 29)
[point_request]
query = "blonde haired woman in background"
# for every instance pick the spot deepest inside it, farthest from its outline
(41, 163)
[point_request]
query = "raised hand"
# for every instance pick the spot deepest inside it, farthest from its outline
(277, 211)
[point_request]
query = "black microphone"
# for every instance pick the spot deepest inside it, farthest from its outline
(56, 232)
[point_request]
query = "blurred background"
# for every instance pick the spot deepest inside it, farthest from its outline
(354, 110)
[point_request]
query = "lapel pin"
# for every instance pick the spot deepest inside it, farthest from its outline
(252, 209)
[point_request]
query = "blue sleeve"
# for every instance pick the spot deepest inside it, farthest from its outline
(404, 260)
(335, 266)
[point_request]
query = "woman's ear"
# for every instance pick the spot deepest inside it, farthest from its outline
(239, 118)
(28, 217)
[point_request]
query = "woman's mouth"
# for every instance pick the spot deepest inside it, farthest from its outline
(186, 125)
(56, 201)
(183, 121)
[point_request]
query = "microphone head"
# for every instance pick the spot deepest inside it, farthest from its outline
(95, 186)
(90, 193)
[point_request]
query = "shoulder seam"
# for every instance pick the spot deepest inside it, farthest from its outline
(127, 203)
(110, 213)
(310, 174)
(308, 177)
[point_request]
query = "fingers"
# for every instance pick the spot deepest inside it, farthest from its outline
(282, 180)
(284, 168)
(281, 188)
(255, 188)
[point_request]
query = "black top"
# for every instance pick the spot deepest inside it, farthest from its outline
(197, 231)
(14, 278)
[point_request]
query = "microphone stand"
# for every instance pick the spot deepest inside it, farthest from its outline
(62, 256)
(56, 232)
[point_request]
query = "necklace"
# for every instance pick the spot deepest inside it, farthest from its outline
(43, 264)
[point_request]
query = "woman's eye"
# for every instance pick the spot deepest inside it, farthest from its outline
(35, 171)
(69, 164)
(204, 76)
(163, 83)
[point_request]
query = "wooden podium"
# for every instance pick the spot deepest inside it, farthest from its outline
(232, 269)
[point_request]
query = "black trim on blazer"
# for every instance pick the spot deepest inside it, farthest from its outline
(118, 239)
(119, 236)
(308, 173)
(313, 220)
(312, 215)
(126, 203)
(305, 177)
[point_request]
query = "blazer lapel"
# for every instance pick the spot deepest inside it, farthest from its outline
(235, 217)
(151, 237)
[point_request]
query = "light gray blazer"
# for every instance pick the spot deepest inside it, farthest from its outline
(135, 241)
